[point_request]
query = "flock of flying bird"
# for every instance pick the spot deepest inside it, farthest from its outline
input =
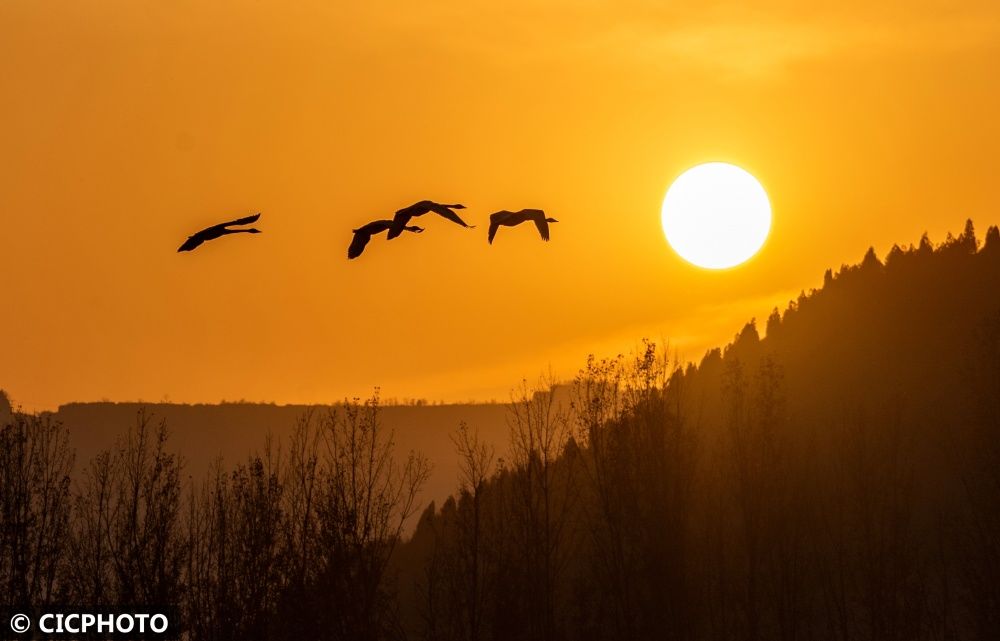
(396, 226)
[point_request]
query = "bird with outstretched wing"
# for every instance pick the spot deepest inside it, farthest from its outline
(217, 231)
(404, 215)
(363, 234)
(506, 218)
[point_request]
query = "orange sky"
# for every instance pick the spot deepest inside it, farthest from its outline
(125, 125)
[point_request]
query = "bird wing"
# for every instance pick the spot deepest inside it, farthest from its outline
(216, 230)
(416, 209)
(358, 244)
(441, 210)
(542, 224)
(375, 227)
(398, 223)
(246, 220)
(498, 218)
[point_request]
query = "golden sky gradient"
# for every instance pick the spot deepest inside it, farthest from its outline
(126, 125)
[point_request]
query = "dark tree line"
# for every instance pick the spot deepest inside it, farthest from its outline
(292, 543)
(837, 479)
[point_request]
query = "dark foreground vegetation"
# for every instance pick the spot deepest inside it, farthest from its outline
(838, 479)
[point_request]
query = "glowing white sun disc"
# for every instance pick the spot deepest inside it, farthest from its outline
(716, 215)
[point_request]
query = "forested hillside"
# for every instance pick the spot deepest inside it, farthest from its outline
(837, 478)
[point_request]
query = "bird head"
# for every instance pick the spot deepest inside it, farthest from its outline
(551, 220)
(415, 229)
(253, 230)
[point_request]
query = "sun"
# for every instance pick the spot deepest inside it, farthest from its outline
(716, 215)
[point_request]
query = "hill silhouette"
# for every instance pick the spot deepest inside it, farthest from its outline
(837, 477)
(204, 433)
(907, 339)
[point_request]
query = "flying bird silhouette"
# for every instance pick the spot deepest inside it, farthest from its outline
(216, 231)
(404, 215)
(512, 218)
(364, 233)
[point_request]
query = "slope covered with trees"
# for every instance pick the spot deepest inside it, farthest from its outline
(837, 478)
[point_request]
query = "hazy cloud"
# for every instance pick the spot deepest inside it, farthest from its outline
(725, 36)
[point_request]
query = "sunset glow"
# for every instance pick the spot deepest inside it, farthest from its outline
(129, 125)
(538, 320)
